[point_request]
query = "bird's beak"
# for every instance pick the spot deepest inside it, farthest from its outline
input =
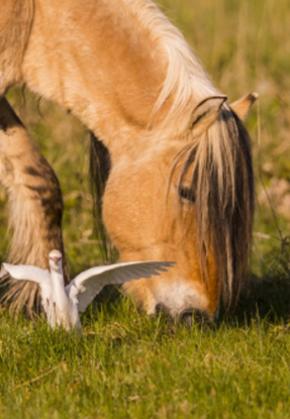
(55, 259)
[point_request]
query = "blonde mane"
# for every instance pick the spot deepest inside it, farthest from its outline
(185, 83)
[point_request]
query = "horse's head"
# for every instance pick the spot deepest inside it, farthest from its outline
(188, 200)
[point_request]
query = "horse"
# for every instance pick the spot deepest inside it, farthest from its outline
(173, 154)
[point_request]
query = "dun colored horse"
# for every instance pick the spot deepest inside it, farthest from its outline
(178, 167)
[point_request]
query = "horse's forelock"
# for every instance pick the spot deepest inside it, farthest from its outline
(219, 167)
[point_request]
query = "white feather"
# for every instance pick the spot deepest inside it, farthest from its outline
(33, 274)
(27, 272)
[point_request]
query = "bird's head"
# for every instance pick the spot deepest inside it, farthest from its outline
(55, 260)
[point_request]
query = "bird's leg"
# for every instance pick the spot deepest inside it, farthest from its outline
(35, 208)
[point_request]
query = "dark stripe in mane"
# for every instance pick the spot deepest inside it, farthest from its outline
(99, 168)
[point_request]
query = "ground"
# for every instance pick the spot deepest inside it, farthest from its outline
(126, 364)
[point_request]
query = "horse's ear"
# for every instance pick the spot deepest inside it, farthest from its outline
(206, 113)
(243, 106)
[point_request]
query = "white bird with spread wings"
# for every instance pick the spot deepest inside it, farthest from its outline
(63, 303)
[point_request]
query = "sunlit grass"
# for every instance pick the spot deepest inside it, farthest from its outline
(126, 365)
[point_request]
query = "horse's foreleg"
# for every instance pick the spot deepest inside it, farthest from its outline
(35, 207)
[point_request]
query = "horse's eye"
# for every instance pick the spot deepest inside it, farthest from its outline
(186, 193)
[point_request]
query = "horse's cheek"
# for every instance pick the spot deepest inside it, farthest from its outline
(124, 212)
(133, 207)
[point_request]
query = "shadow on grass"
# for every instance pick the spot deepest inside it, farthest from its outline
(265, 298)
(268, 297)
(106, 302)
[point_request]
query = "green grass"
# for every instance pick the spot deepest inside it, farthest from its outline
(126, 364)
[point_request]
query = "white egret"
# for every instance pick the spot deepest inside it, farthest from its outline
(62, 304)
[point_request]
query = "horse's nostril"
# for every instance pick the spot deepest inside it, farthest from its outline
(190, 316)
(160, 308)
(186, 317)
(201, 317)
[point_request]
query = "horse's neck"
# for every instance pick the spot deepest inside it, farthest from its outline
(111, 63)
(98, 60)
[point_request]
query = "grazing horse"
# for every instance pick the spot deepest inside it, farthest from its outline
(178, 162)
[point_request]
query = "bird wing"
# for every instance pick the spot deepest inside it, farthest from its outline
(30, 273)
(27, 272)
(88, 284)
(33, 274)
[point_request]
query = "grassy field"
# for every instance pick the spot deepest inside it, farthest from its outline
(125, 364)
